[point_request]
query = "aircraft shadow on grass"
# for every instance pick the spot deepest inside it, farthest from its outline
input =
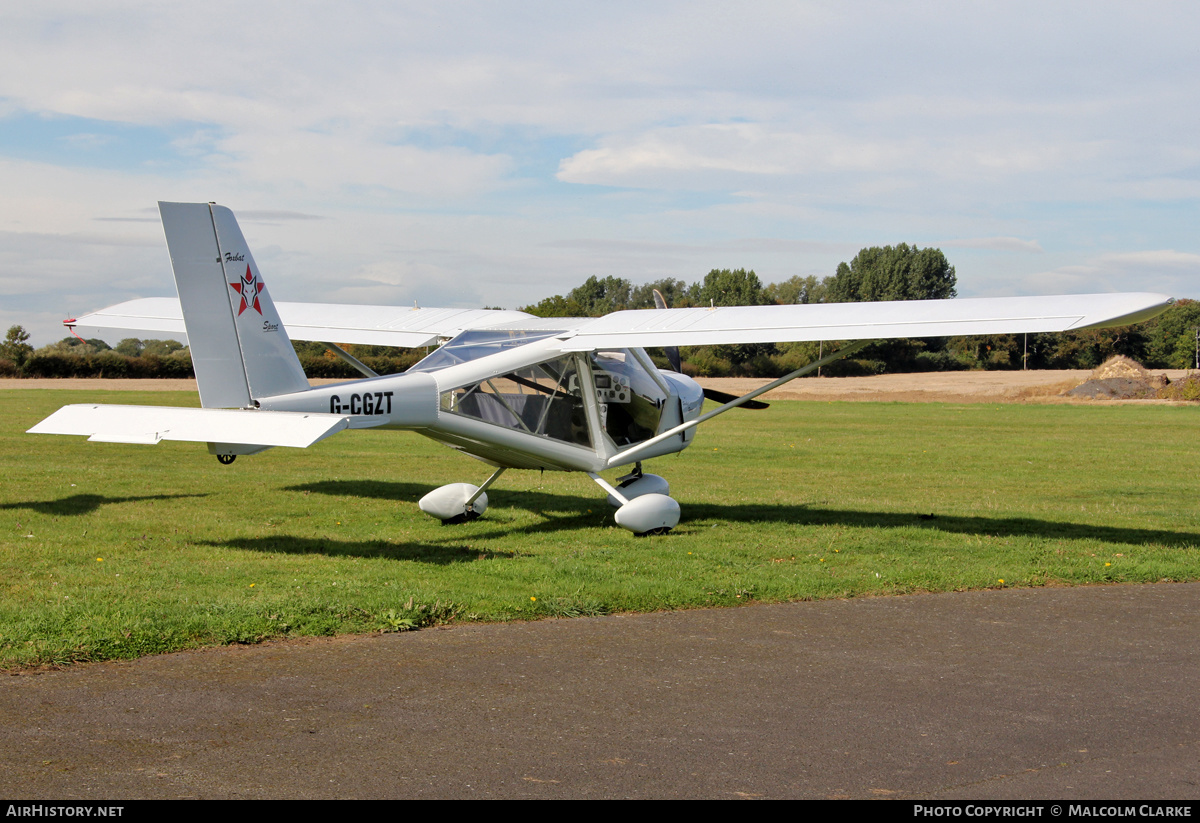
(78, 504)
(566, 512)
(437, 554)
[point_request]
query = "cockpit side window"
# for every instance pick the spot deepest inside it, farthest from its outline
(542, 400)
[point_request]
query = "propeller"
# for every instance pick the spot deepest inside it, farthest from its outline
(725, 397)
(672, 353)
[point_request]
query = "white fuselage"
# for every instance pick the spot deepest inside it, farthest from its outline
(529, 420)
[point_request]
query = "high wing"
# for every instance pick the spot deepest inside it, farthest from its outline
(413, 327)
(406, 327)
(862, 321)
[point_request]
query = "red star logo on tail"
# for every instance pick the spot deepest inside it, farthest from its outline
(249, 287)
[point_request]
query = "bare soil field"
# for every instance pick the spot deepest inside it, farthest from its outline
(929, 387)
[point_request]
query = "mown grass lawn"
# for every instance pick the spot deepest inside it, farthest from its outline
(112, 551)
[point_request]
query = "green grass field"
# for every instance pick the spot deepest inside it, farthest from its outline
(113, 551)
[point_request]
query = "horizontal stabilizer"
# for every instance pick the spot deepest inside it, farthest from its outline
(151, 424)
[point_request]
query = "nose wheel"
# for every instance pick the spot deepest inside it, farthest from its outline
(644, 504)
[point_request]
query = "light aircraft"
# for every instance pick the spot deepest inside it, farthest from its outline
(513, 390)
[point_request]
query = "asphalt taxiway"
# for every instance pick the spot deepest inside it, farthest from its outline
(1085, 693)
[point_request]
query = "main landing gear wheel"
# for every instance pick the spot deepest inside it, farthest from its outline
(452, 503)
(226, 459)
(458, 502)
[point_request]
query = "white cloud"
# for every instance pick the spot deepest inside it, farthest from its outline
(754, 155)
(993, 243)
(709, 155)
(1153, 259)
(338, 162)
(1159, 270)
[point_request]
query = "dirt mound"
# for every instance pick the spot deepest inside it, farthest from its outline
(1119, 366)
(1115, 388)
(1120, 378)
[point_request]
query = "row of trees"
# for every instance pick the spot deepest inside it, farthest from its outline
(900, 272)
(73, 357)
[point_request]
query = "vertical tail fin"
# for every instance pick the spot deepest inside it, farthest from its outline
(239, 347)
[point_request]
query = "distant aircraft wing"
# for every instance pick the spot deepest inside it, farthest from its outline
(322, 322)
(149, 317)
(152, 424)
(861, 321)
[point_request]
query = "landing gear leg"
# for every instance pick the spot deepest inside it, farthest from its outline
(632, 477)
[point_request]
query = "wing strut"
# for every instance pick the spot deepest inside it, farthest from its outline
(627, 456)
(354, 362)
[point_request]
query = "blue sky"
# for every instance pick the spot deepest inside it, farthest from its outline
(468, 153)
